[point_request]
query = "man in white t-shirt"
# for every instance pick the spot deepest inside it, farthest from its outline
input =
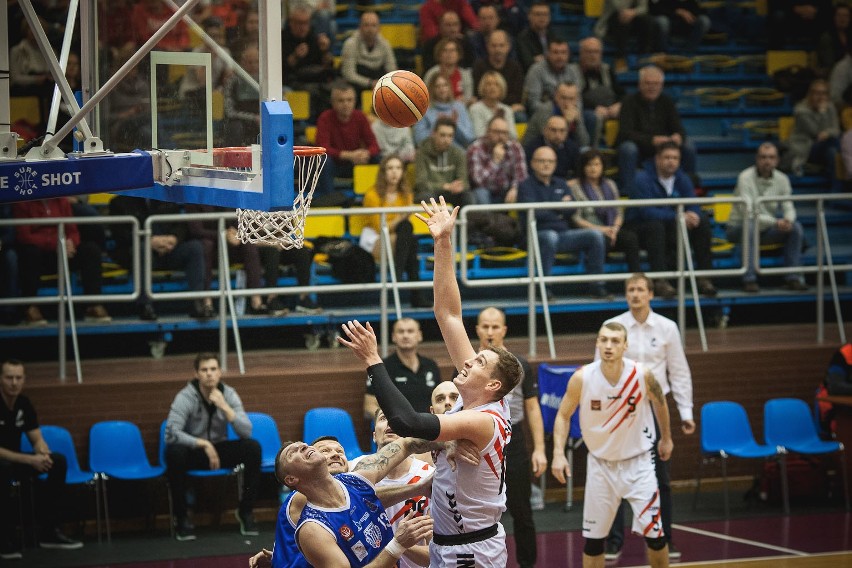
(619, 431)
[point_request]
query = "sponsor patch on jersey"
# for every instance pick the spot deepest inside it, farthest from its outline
(596, 405)
(373, 534)
(370, 505)
(359, 550)
(346, 533)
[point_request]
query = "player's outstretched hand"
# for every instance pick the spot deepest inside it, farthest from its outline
(463, 450)
(439, 220)
(559, 468)
(261, 560)
(413, 528)
(362, 341)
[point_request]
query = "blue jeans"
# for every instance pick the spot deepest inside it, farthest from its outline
(629, 160)
(791, 240)
(588, 241)
(693, 33)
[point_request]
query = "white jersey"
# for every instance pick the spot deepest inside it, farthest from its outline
(473, 497)
(418, 470)
(616, 420)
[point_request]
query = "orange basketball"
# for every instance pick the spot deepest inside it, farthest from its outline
(400, 98)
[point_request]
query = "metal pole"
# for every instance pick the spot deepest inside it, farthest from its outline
(545, 305)
(224, 266)
(391, 264)
(89, 57)
(271, 76)
(224, 274)
(107, 87)
(681, 302)
(65, 279)
(831, 275)
(820, 307)
(8, 139)
(532, 347)
(684, 236)
(63, 62)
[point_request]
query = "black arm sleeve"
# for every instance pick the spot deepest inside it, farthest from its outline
(399, 412)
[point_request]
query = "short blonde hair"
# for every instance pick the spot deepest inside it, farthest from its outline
(496, 76)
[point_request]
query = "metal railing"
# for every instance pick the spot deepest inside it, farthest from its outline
(388, 287)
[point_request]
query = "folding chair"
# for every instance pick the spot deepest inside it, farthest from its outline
(265, 430)
(788, 423)
(552, 384)
(726, 431)
(330, 421)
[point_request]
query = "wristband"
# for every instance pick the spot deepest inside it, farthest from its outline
(395, 549)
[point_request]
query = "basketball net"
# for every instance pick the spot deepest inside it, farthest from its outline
(286, 229)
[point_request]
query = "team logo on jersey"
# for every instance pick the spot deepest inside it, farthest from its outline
(360, 522)
(346, 533)
(596, 405)
(370, 505)
(359, 550)
(373, 534)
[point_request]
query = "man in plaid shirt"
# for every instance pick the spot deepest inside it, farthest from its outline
(497, 164)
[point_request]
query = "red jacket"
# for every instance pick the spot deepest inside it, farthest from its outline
(44, 236)
(336, 136)
(431, 11)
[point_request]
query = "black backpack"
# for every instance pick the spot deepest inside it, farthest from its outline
(349, 263)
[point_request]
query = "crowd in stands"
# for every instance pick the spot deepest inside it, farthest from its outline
(511, 119)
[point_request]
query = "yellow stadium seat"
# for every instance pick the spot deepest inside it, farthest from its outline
(357, 224)
(218, 104)
(176, 73)
(611, 132)
(300, 104)
(98, 199)
(521, 129)
(593, 8)
(420, 228)
(367, 101)
(785, 127)
(400, 36)
(722, 211)
(846, 118)
(364, 177)
(311, 134)
(325, 225)
(776, 60)
(410, 174)
(25, 108)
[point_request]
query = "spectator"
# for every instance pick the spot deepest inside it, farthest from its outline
(36, 247)
(308, 63)
(492, 90)
(242, 102)
(366, 55)
(29, 73)
(246, 254)
(622, 20)
(511, 13)
(393, 190)
(816, 133)
(193, 84)
(172, 250)
(128, 109)
(432, 10)
(149, 16)
(533, 41)
(555, 233)
(834, 42)
(461, 80)
(544, 76)
(197, 438)
(17, 417)
(450, 28)
(301, 259)
(765, 180)
(657, 226)
(489, 21)
(323, 14)
(649, 118)
(837, 382)
(393, 140)
(442, 104)
(681, 18)
(601, 94)
(655, 342)
(248, 34)
(441, 167)
(566, 103)
(415, 375)
(591, 185)
(526, 417)
(496, 164)
(796, 21)
(840, 82)
(555, 135)
(499, 47)
(345, 133)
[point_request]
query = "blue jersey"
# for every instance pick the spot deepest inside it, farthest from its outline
(361, 526)
(285, 553)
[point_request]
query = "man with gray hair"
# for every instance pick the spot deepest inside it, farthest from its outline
(366, 55)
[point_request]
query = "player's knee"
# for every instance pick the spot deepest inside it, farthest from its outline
(658, 543)
(593, 547)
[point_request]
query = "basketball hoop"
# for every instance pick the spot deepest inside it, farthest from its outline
(284, 229)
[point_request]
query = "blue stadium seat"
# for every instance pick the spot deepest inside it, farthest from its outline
(330, 421)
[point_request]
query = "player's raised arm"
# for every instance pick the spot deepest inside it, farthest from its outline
(562, 425)
(448, 308)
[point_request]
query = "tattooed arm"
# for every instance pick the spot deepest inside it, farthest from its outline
(376, 466)
(661, 409)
